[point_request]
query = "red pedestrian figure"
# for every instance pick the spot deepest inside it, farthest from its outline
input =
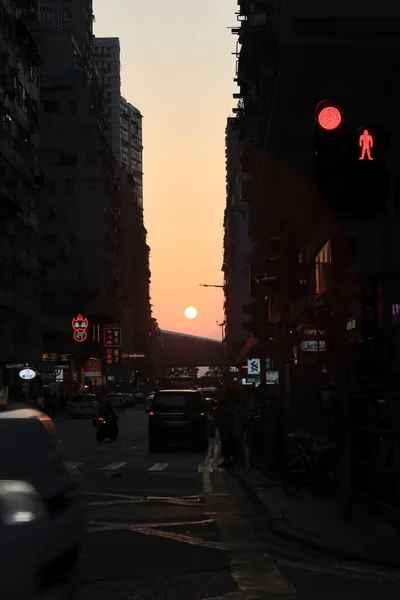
(366, 142)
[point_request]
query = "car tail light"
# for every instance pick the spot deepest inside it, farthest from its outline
(151, 413)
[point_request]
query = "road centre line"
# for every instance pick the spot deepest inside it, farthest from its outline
(158, 467)
(113, 466)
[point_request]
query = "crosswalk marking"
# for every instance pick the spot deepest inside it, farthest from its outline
(113, 466)
(75, 465)
(158, 467)
(205, 468)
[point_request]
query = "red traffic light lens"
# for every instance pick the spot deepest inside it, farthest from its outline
(329, 118)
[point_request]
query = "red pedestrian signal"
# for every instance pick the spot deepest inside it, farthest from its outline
(366, 142)
(329, 117)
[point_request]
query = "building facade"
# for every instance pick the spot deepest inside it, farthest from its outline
(125, 137)
(21, 319)
(324, 218)
(132, 146)
(80, 208)
(237, 244)
(107, 58)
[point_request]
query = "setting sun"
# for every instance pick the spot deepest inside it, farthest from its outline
(190, 312)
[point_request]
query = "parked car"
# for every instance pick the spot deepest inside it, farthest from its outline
(117, 401)
(140, 397)
(178, 415)
(81, 405)
(42, 520)
(129, 399)
(149, 401)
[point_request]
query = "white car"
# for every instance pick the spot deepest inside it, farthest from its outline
(41, 511)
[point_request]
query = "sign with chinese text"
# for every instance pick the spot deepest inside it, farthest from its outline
(125, 355)
(112, 337)
(80, 325)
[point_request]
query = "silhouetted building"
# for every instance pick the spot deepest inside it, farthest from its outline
(237, 244)
(80, 206)
(20, 181)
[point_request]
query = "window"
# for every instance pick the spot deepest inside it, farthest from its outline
(52, 106)
(50, 238)
(53, 159)
(70, 186)
(178, 402)
(92, 184)
(90, 158)
(46, 16)
(51, 186)
(20, 96)
(73, 107)
(85, 130)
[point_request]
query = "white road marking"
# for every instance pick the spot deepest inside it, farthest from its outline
(75, 465)
(207, 467)
(202, 468)
(158, 467)
(152, 529)
(120, 499)
(113, 466)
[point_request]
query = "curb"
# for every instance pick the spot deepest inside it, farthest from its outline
(278, 527)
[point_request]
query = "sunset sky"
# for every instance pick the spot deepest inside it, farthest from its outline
(178, 69)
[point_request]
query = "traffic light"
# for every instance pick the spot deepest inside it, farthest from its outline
(367, 175)
(330, 134)
(254, 326)
(350, 161)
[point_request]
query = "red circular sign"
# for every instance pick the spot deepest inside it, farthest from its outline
(80, 335)
(329, 117)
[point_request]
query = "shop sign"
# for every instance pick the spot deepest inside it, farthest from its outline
(27, 374)
(312, 346)
(80, 325)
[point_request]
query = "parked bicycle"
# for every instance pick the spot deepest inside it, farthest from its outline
(310, 462)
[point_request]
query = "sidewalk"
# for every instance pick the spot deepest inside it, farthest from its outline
(313, 522)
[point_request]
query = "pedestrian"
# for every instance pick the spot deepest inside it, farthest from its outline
(54, 405)
(40, 403)
(226, 426)
(240, 427)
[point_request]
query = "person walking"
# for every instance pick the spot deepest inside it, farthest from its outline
(226, 426)
(40, 403)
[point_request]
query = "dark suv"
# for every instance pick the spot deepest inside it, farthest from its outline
(178, 416)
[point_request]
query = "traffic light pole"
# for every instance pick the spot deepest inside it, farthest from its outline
(387, 270)
(340, 353)
(262, 342)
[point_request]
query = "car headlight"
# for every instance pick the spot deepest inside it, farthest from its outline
(19, 503)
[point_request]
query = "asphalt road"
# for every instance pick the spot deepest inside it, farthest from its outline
(171, 525)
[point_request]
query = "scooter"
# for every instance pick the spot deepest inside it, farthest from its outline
(106, 429)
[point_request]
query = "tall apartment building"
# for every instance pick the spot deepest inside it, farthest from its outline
(80, 205)
(125, 136)
(20, 310)
(107, 58)
(132, 146)
(237, 244)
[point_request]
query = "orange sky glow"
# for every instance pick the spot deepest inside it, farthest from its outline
(178, 69)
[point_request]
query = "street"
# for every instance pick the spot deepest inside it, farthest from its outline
(173, 525)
